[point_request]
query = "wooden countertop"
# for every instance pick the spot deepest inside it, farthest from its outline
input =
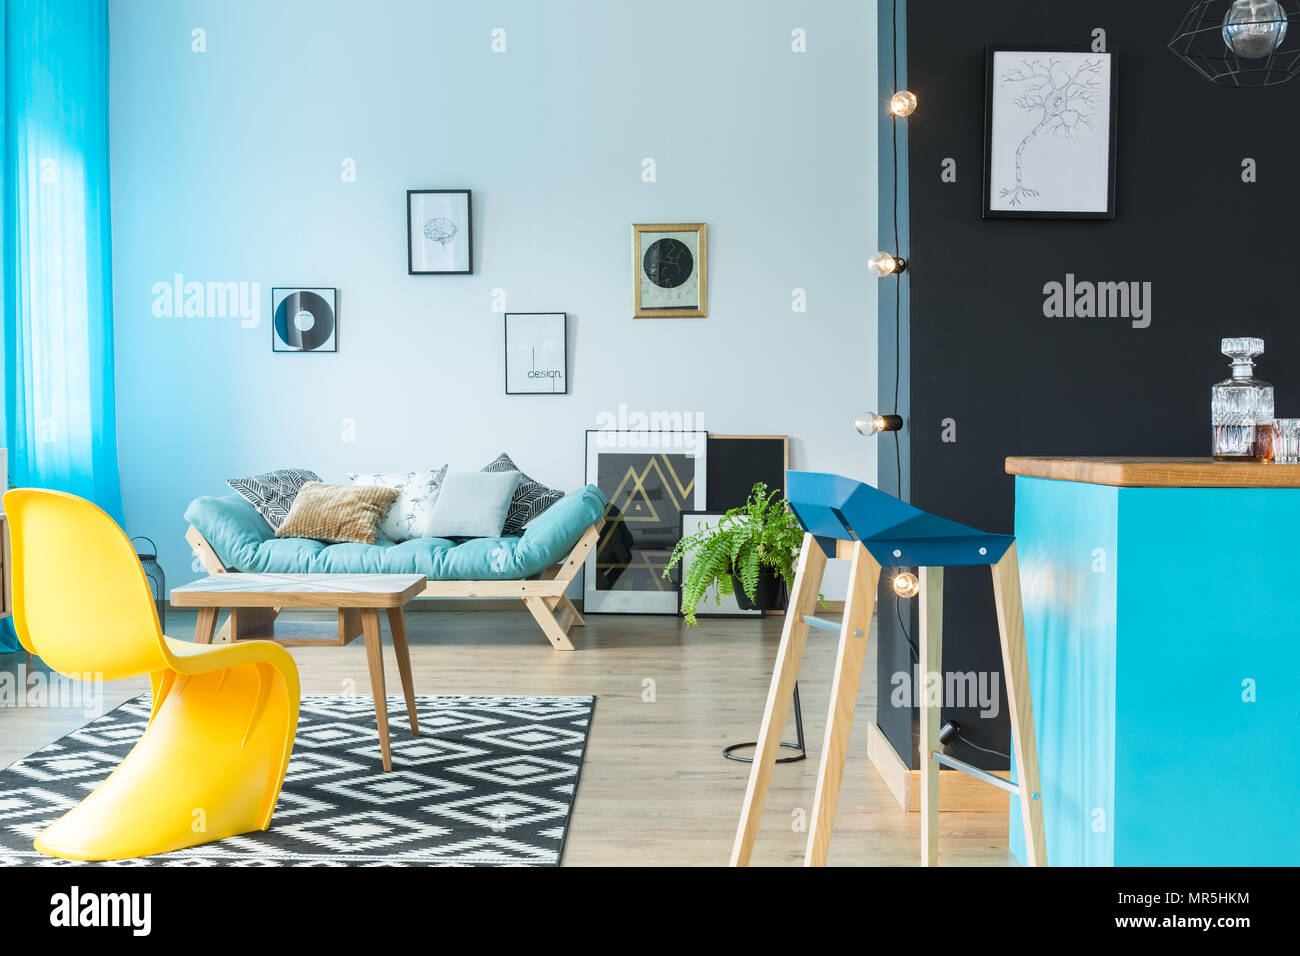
(1159, 472)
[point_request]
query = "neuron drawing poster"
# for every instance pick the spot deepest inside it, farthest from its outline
(1050, 150)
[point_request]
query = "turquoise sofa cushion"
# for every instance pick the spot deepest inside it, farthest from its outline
(245, 542)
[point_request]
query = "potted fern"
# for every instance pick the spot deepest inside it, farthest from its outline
(751, 552)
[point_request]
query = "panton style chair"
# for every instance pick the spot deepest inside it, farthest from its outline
(212, 759)
(848, 519)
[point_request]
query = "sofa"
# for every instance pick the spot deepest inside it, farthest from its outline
(229, 537)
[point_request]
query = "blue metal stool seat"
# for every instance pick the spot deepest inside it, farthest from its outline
(847, 519)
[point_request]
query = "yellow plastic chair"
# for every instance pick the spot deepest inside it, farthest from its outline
(212, 758)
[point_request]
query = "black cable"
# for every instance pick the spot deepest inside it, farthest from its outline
(898, 609)
(967, 742)
(898, 288)
(898, 347)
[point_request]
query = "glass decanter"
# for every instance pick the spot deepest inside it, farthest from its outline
(1241, 407)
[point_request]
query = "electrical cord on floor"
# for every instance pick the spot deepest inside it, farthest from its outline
(898, 608)
(966, 740)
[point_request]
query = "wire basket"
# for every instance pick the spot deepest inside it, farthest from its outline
(157, 580)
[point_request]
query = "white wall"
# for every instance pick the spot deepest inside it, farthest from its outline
(226, 166)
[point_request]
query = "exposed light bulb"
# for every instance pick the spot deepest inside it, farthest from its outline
(902, 103)
(906, 584)
(869, 423)
(1253, 29)
(884, 264)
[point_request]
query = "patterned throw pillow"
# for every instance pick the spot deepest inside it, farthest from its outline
(337, 513)
(531, 497)
(272, 494)
(417, 493)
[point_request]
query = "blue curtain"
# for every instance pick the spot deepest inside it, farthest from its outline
(60, 425)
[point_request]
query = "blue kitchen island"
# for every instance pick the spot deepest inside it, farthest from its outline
(1162, 620)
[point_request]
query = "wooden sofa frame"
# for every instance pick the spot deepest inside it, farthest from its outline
(545, 597)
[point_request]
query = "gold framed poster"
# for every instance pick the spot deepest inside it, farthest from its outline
(670, 270)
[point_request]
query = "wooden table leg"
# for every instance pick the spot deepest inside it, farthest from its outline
(375, 658)
(206, 626)
(397, 624)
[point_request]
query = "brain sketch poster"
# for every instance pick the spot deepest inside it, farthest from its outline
(439, 237)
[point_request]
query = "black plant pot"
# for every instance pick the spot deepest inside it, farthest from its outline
(768, 593)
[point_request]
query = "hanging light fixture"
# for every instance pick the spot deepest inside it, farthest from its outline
(1239, 42)
(902, 103)
(886, 264)
(870, 423)
(906, 583)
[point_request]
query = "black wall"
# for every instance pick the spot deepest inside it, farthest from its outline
(1222, 256)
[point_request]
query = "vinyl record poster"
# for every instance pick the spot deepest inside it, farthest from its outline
(304, 320)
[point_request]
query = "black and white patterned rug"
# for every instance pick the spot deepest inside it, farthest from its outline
(490, 781)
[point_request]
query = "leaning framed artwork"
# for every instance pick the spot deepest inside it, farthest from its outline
(536, 353)
(439, 232)
(1049, 134)
(670, 271)
(649, 478)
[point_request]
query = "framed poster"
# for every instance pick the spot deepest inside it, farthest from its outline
(537, 353)
(304, 320)
(439, 232)
(670, 271)
(727, 606)
(738, 461)
(1049, 135)
(649, 479)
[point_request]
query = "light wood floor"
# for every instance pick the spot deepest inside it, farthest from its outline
(655, 788)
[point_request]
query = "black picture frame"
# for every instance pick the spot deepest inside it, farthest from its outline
(613, 554)
(1111, 127)
(564, 340)
(333, 303)
(469, 234)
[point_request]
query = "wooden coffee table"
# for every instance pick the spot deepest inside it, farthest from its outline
(358, 598)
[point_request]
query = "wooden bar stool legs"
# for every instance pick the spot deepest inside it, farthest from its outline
(1015, 668)
(930, 653)
(854, 628)
(1020, 705)
(803, 601)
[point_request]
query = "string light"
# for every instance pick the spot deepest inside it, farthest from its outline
(884, 264)
(903, 103)
(869, 423)
(906, 584)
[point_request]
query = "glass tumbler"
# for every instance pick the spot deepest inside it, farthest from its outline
(1286, 441)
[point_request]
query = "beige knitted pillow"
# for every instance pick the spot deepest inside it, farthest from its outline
(337, 513)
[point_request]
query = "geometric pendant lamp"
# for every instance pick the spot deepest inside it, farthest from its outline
(1241, 43)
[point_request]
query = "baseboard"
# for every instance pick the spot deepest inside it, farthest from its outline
(957, 791)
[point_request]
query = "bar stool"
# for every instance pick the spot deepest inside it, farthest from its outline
(848, 519)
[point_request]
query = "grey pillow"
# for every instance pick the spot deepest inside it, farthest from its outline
(272, 494)
(531, 497)
(472, 504)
